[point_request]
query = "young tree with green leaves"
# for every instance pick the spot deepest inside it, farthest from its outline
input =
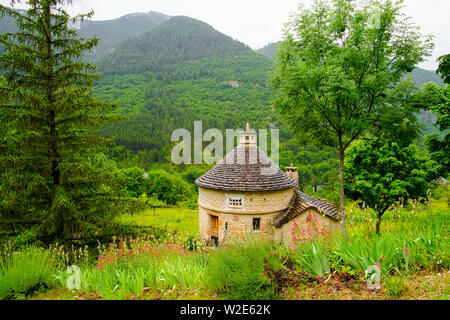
(54, 171)
(380, 172)
(444, 68)
(338, 68)
(437, 99)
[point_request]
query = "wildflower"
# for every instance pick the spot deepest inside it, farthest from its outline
(377, 264)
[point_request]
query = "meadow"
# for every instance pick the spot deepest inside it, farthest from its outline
(174, 219)
(412, 254)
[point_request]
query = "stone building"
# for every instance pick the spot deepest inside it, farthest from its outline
(246, 192)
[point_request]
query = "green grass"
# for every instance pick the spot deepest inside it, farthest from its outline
(25, 272)
(176, 219)
(241, 270)
(244, 270)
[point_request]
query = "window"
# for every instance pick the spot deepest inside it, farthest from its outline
(256, 224)
(235, 202)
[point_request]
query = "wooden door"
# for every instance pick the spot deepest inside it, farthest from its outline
(215, 226)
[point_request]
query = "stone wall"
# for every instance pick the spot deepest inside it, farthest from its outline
(283, 234)
(239, 221)
(253, 202)
(235, 225)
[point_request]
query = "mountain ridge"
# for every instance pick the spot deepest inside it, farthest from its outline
(176, 40)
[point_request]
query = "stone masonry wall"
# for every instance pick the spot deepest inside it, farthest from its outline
(283, 234)
(253, 202)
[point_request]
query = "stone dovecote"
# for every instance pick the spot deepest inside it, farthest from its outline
(246, 192)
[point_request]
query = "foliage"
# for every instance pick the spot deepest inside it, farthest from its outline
(54, 170)
(237, 271)
(25, 272)
(394, 286)
(269, 50)
(362, 253)
(162, 186)
(312, 258)
(444, 68)
(178, 39)
(437, 99)
(127, 268)
(381, 173)
(337, 75)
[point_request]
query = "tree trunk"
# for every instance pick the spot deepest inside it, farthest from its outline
(379, 215)
(342, 192)
(54, 154)
(378, 224)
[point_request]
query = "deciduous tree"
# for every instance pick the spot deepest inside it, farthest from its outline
(338, 68)
(379, 173)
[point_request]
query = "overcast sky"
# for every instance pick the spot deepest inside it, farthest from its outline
(258, 22)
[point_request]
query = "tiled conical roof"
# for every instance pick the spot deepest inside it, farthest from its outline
(246, 168)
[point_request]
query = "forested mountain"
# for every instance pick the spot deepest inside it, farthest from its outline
(113, 32)
(176, 40)
(269, 50)
(110, 32)
(223, 91)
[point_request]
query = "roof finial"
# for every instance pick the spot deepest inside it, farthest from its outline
(247, 128)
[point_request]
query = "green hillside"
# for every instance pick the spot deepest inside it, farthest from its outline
(110, 32)
(113, 32)
(176, 40)
(268, 50)
(231, 85)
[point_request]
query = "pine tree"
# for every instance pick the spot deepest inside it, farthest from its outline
(54, 170)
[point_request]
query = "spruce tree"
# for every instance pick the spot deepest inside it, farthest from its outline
(54, 170)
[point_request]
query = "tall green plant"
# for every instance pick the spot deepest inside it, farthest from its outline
(25, 271)
(238, 270)
(313, 258)
(52, 172)
(338, 68)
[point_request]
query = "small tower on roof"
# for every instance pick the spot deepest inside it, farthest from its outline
(247, 137)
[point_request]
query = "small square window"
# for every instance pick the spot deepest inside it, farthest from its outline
(256, 223)
(235, 202)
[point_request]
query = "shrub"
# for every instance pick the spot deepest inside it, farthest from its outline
(309, 239)
(312, 258)
(360, 253)
(25, 272)
(237, 270)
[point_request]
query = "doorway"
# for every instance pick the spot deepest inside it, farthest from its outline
(215, 230)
